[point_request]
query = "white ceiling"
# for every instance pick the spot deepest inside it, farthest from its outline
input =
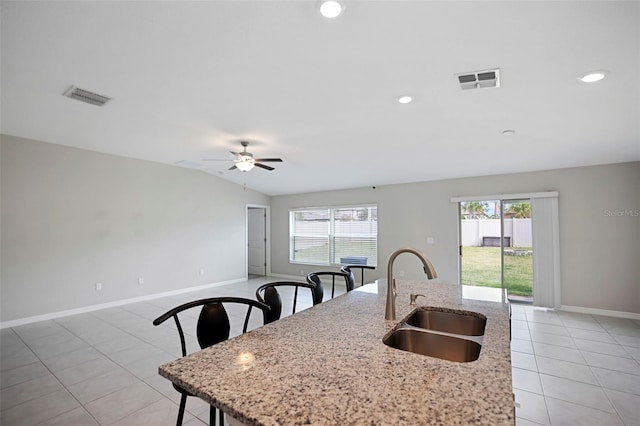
(192, 79)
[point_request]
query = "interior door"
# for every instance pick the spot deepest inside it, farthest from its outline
(257, 241)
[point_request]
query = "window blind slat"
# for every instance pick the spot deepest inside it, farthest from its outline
(334, 236)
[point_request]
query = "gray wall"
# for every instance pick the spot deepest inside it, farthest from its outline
(71, 218)
(599, 252)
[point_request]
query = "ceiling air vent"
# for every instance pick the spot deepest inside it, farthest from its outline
(479, 79)
(78, 94)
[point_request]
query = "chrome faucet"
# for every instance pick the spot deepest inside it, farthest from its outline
(390, 310)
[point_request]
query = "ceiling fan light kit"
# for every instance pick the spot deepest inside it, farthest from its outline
(245, 161)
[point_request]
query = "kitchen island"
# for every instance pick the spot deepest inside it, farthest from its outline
(327, 365)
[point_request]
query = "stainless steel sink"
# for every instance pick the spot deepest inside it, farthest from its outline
(448, 322)
(434, 345)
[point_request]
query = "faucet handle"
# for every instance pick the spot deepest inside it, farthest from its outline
(413, 298)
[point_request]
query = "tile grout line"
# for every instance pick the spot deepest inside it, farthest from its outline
(57, 379)
(138, 379)
(603, 387)
(62, 325)
(535, 360)
(545, 396)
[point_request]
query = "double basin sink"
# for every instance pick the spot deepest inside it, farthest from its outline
(441, 333)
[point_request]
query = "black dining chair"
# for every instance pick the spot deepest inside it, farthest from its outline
(348, 269)
(269, 295)
(212, 327)
(315, 278)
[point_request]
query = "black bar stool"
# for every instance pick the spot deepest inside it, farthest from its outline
(314, 278)
(212, 327)
(347, 269)
(268, 295)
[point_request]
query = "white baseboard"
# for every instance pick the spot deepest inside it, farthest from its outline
(603, 312)
(91, 308)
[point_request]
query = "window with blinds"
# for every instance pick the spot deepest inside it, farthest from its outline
(334, 236)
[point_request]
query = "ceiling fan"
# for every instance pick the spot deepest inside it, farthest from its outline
(244, 160)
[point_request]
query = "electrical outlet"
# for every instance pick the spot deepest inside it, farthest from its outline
(302, 272)
(140, 280)
(98, 286)
(201, 271)
(430, 240)
(401, 273)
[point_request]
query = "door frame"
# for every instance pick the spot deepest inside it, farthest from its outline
(267, 235)
(553, 263)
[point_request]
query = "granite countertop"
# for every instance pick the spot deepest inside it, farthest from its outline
(328, 365)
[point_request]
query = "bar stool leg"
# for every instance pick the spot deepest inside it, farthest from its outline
(183, 404)
(333, 286)
(212, 415)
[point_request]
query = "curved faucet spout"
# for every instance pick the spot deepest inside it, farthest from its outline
(390, 310)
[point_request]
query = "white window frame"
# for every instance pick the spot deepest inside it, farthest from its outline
(331, 236)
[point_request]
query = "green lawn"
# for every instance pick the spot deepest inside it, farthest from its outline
(481, 266)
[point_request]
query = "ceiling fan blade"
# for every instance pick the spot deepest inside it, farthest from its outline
(263, 166)
(214, 159)
(232, 167)
(234, 153)
(266, 160)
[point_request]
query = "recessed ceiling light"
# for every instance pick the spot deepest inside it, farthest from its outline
(508, 132)
(331, 8)
(405, 99)
(593, 76)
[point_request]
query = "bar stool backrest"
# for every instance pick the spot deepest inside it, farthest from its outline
(269, 295)
(315, 278)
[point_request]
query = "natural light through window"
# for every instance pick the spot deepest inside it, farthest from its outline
(334, 235)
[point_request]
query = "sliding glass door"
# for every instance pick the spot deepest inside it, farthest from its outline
(517, 257)
(480, 232)
(496, 248)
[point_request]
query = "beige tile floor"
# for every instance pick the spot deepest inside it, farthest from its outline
(574, 369)
(100, 368)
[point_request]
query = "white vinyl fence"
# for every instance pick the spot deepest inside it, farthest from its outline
(518, 231)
